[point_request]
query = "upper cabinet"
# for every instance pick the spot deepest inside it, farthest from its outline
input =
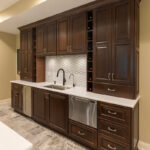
(77, 33)
(28, 54)
(122, 49)
(64, 36)
(46, 39)
(102, 37)
(107, 31)
(114, 54)
(51, 38)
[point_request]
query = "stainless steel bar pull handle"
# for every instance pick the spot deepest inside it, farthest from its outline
(111, 90)
(109, 74)
(113, 78)
(81, 133)
(112, 113)
(111, 147)
(101, 47)
(112, 130)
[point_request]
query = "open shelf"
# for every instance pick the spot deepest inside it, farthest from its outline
(90, 51)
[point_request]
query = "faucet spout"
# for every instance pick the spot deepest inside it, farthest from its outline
(64, 79)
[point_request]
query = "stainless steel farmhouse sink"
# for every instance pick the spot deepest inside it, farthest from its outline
(57, 87)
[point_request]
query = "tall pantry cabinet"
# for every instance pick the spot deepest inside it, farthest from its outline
(116, 46)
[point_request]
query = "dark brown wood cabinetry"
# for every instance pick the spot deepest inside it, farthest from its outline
(59, 112)
(40, 105)
(114, 54)
(28, 54)
(50, 109)
(17, 97)
(63, 36)
(117, 127)
(46, 39)
(108, 32)
(78, 33)
(41, 36)
(83, 134)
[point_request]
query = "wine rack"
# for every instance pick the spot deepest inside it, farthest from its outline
(90, 51)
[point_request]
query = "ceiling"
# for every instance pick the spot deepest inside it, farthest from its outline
(41, 11)
(4, 4)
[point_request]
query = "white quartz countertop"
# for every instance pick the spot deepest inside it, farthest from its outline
(81, 92)
(10, 140)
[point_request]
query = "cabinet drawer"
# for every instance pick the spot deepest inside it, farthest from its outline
(83, 134)
(114, 90)
(16, 86)
(114, 130)
(113, 112)
(106, 143)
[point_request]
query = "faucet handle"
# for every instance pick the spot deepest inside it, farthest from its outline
(73, 79)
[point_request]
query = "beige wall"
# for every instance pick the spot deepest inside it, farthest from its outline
(145, 71)
(7, 63)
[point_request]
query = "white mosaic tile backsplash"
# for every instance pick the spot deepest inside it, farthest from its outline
(75, 64)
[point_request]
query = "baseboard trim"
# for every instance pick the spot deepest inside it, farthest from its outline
(5, 100)
(143, 146)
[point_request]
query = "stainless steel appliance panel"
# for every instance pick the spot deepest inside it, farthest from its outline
(83, 110)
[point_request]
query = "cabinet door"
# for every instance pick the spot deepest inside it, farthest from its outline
(102, 40)
(27, 55)
(41, 35)
(59, 112)
(30, 55)
(40, 105)
(52, 38)
(63, 36)
(17, 99)
(24, 51)
(77, 36)
(122, 50)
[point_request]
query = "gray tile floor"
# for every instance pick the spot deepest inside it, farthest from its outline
(41, 137)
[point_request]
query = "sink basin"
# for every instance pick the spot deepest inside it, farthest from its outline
(57, 87)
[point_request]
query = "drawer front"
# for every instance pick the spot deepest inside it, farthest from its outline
(114, 90)
(106, 143)
(16, 86)
(115, 113)
(83, 134)
(114, 130)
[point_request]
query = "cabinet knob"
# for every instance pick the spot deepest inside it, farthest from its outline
(111, 147)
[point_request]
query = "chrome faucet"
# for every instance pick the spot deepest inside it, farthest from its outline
(64, 79)
(72, 75)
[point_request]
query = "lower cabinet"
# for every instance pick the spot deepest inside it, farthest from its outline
(58, 110)
(50, 109)
(107, 143)
(117, 127)
(17, 97)
(40, 105)
(83, 134)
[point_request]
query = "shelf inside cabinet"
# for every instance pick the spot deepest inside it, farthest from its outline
(90, 51)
